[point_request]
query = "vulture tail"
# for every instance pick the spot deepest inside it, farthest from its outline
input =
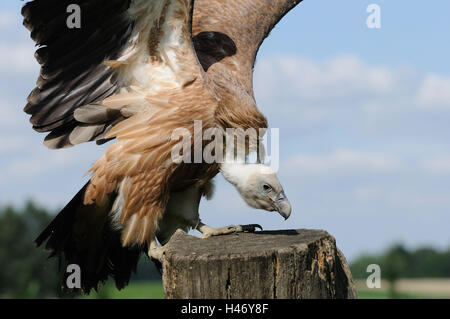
(83, 235)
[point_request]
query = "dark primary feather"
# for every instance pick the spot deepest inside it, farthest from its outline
(82, 235)
(72, 69)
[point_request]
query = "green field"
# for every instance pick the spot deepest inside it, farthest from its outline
(154, 290)
(423, 288)
(366, 294)
(136, 290)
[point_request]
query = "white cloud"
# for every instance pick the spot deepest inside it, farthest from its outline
(7, 19)
(12, 114)
(437, 165)
(434, 92)
(18, 58)
(11, 143)
(342, 161)
(33, 160)
(367, 193)
(50, 160)
(313, 93)
(337, 78)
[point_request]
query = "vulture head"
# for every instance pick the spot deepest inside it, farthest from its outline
(259, 186)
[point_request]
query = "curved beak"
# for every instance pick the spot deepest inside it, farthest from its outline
(283, 206)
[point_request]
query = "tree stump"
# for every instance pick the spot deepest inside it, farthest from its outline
(262, 265)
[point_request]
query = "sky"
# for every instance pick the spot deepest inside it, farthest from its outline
(362, 113)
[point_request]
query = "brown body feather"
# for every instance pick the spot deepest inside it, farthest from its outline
(141, 159)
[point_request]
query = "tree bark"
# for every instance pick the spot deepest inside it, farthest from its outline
(268, 264)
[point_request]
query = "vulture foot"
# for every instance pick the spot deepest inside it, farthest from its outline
(156, 252)
(208, 231)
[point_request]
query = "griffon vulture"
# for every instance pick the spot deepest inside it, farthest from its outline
(132, 72)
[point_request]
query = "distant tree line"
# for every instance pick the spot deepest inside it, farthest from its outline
(26, 271)
(400, 262)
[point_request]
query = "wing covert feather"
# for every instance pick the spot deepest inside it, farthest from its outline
(126, 54)
(237, 28)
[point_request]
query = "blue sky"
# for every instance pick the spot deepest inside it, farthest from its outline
(363, 117)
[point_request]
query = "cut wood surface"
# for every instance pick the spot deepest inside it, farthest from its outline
(298, 263)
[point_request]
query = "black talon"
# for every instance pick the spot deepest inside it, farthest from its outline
(252, 227)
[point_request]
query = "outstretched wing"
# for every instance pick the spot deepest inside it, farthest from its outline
(122, 61)
(228, 34)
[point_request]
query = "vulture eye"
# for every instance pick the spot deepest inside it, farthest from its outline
(267, 188)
